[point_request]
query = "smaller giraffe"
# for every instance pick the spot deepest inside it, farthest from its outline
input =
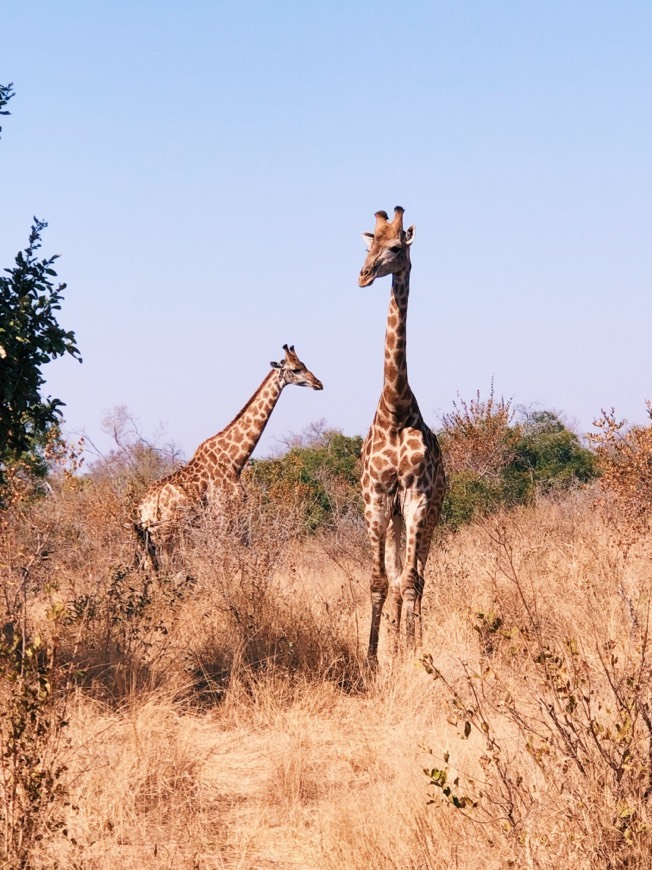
(212, 476)
(403, 481)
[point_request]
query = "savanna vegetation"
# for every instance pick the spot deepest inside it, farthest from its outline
(219, 714)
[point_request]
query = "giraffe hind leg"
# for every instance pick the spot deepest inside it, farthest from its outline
(379, 586)
(394, 568)
(378, 596)
(417, 534)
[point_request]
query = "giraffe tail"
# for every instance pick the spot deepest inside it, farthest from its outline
(394, 548)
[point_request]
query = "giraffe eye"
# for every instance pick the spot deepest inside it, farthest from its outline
(296, 371)
(395, 249)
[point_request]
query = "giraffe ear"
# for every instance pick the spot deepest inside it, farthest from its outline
(275, 365)
(368, 239)
(409, 234)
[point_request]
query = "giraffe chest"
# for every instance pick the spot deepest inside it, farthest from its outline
(398, 460)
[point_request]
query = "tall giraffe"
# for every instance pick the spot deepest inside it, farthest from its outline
(403, 480)
(213, 474)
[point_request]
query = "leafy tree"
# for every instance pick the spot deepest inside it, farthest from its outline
(6, 93)
(30, 337)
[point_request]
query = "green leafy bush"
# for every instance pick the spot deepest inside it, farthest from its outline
(319, 474)
(547, 457)
(493, 459)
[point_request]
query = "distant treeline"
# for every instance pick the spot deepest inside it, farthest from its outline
(493, 458)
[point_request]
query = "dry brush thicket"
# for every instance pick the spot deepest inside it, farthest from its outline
(219, 714)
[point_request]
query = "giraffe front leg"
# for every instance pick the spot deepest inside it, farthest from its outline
(378, 596)
(376, 530)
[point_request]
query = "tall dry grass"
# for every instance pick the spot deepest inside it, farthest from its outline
(221, 715)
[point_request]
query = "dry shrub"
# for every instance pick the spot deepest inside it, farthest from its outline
(34, 693)
(556, 702)
(478, 436)
(35, 683)
(625, 458)
(112, 617)
(224, 604)
(258, 612)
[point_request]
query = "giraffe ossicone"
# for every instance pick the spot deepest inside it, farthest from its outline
(212, 477)
(403, 481)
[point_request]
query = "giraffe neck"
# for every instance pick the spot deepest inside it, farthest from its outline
(240, 437)
(396, 395)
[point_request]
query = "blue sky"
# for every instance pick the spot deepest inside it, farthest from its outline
(206, 170)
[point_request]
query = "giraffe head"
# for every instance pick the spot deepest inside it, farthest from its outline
(293, 371)
(389, 247)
